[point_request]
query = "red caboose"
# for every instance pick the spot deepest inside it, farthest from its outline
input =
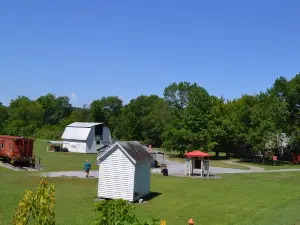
(16, 149)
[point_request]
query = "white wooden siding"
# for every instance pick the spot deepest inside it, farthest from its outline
(142, 179)
(116, 177)
(75, 146)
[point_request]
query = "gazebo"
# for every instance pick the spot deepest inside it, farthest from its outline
(196, 160)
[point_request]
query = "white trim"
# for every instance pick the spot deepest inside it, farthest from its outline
(122, 149)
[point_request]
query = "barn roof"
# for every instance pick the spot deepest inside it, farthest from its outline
(133, 149)
(83, 125)
(76, 133)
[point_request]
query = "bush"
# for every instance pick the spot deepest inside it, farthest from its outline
(117, 212)
(39, 206)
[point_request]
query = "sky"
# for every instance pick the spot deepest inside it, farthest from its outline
(89, 49)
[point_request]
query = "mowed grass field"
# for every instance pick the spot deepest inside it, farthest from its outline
(62, 161)
(260, 199)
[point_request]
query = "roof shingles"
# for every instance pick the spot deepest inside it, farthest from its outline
(135, 150)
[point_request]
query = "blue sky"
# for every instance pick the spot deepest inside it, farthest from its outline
(89, 49)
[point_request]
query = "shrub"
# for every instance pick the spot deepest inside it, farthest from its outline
(118, 212)
(39, 206)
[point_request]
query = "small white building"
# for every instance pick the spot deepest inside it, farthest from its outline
(86, 137)
(124, 172)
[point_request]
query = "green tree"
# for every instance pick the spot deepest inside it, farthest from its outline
(55, 109)
(24, 117)
(132, 124)
(3, 116)
(97, 111)
(190, 106)
(107, 110)
(155, 123)
(268, 118)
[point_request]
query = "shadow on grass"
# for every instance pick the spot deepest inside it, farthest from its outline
(151, 196)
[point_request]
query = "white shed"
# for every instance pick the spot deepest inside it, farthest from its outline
(124, 172)
(86, 137)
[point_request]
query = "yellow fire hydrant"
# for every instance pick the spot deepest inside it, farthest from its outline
(163, 222)
(191, 222)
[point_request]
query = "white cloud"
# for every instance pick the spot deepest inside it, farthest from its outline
(73, 97)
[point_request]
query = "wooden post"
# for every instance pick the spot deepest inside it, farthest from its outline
(208, 168)
(190, 167)
(201, 167)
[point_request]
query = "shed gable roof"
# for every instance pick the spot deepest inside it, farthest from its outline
(133, 149)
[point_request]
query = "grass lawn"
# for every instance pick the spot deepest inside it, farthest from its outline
(61, 161)
(261, 199)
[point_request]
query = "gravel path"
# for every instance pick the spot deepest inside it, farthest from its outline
(252, 168)
(78, 174)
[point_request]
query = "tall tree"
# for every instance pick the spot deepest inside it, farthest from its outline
(132, 123)
(3, 116)
(107, 110)
(190, 106)
(25, 117)
(55, 109)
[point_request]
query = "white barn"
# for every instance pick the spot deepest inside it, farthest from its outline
(124, 172)
(86, 137)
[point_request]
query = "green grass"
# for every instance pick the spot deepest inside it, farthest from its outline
(242, 199)
(62, 161)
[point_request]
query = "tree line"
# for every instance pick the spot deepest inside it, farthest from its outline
(187, 117)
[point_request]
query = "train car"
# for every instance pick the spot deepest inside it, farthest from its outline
(15, 149)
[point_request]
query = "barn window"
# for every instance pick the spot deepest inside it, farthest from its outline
(98, 142)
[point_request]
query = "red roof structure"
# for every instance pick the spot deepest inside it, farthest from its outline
(196, 153)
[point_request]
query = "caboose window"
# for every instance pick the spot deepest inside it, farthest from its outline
(2, 145)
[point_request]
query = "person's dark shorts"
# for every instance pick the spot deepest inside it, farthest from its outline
(87, 171)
